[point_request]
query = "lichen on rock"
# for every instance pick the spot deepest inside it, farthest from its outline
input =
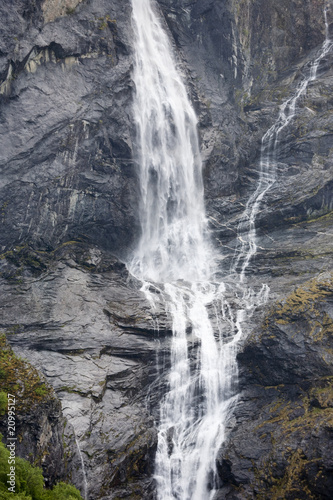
(52, 9)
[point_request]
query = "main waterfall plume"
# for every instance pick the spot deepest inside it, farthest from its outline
(174, 258)
(174, 253)
(173, 224)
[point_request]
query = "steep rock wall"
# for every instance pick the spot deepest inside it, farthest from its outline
(67, 166)
(69, 198)
(281, 445)
(42, 434)
(244, 59)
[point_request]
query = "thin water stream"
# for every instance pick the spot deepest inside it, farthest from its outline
(175, 255)
(269, 158)
(83, 468)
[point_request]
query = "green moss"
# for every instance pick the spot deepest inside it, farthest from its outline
(293, 480)
(3, 211)
(20, 379)
(22, 258)
(42, 390)
(70, 11)
(105, 21)
(327, 218)
(304, 300)
(13, 329)
(292, 422)
(10, 253)
(3, 402)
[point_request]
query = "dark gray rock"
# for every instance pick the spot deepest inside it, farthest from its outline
(66, 128)
(281, 442)
(69, 200)
(85, 324)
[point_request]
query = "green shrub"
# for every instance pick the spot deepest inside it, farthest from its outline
(41, 391)
(3, 402)
(63, 491)
(6, 495)
(18, 376)
(30, 482)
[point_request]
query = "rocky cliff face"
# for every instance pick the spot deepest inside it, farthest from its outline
(83, 321)
(65, 134)
(281, 443)
(43, 436)
(69, 200)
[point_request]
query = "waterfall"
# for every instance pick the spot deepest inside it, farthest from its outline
(174, 252)
(173, 223)
(269, 157)
(175, 260)
(84, 474)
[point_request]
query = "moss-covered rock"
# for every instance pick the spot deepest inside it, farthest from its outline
(282, 447)
(22, 380)
(37, 422)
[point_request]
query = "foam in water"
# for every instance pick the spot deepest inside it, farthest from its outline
(173, 223)
(174, 257)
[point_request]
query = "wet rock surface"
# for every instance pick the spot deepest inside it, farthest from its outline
(69, 202)
(281, 442)
(84, 322)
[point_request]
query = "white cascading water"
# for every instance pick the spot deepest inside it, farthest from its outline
(83, 469)
(174, 253)
(172, 212)
(174, 258)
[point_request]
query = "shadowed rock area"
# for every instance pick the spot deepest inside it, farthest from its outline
(69, 200)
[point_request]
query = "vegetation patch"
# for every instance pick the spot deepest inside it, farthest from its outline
(29, 482)
(296, 423)
(18, 377)
(303, 306)
(21, 258)
(105, 22)
(291, 426)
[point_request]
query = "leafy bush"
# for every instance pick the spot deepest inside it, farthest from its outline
(30, 482)
(63, 491)
(3, 402)
(41, 391)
